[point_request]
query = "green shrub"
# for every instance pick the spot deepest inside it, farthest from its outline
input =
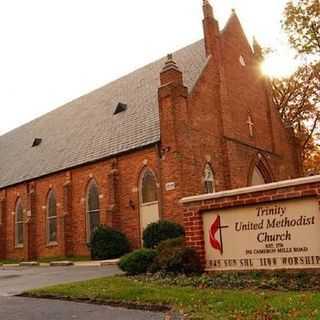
(108, 243)
(138, 261)
(174, 257)
(185, 260)
(170, 243)
(160, 231)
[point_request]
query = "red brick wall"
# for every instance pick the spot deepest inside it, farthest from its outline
(217, 110)
(2, 228)
(72, 223)
(175, 152)
(11, 197)
(42, 188)
(193, 210)
(248, 93)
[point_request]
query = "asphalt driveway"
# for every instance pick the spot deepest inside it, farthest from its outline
(15, 280)
(14, 308)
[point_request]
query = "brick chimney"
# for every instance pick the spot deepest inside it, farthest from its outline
(170, 72)
(173, 96)
(210, 27)
(175, 143)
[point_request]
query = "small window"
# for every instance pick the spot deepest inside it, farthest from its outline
(93, 209)
(209, 186)
(242, 61)
(121, 107)
(52, 218)
(149, 188)
(36, 142)
(19, 222)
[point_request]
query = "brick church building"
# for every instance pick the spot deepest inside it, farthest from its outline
(198, 121)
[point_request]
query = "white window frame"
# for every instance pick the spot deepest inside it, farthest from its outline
(18, 223)
(50, 218)
(90, 212)
(148, 171)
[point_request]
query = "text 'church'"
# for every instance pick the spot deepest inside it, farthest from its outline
(198, 121)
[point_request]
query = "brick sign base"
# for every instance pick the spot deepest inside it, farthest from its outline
(269, 227)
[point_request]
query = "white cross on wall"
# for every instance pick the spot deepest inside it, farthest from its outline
(251, 125)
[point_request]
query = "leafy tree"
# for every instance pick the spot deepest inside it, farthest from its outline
(312, 162)
(302, 23)
(298, 96)
(297, 99)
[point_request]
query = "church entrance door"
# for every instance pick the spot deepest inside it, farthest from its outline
(149, 213)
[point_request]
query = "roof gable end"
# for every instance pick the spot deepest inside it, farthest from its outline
(233, 33)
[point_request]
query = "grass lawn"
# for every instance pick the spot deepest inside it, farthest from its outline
(9, 261)
(195, 302)
(47, 259)
(73, 258)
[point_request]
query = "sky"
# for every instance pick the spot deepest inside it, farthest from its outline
(55, 51)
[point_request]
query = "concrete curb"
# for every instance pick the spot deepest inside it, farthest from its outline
(108, 263)
(29, 264)
(61, 264)
(89, 263)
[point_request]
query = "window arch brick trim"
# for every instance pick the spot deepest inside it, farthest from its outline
(141, 171)
(92, 207)
(19, 228)
(51, 189)
(51, 217)
(145, 170)
(260, 162)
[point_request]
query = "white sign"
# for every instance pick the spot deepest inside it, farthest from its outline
(281, 235)
(170, 186)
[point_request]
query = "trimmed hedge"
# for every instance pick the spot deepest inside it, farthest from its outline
(174, 257)
(138, 261)
(160, 231)
(108, 243)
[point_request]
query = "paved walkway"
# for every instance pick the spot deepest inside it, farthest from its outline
(15, 280)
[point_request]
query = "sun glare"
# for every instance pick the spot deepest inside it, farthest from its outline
(279, 66)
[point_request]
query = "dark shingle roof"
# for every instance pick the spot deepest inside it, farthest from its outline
(86, 129)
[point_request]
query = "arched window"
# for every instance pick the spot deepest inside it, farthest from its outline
(52, 218)
(257, 177)
(149, 188)
(208, 179)
(93, 209)
(19, 222)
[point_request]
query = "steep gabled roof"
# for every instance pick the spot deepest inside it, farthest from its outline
(86, 130)
(233, 32)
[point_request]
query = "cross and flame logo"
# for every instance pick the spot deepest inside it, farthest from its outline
(214, 229)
